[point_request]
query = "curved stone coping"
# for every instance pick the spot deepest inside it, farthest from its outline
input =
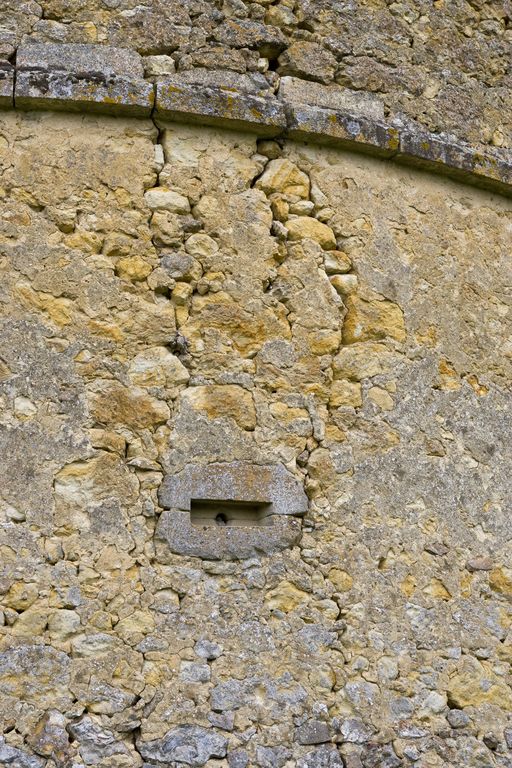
(93, 78)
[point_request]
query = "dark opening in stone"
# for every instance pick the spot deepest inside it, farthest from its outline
(232, 513)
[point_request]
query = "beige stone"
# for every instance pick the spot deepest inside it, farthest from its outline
(63, 624)
(344, 284)
(372, 320)
(285, 177)
(201, 245)
(112, 403)
(305, 227)
(162, 198)
(285, 597)
(337, 262)
(223, 401)
(437, 589)
(59, 310)
(133, 268)
(138, 622)
(474, 684)
(341, 580)
(361, 361)
(20, 596)
(181, 293)
(166, 227)
(24, 408)
(381, 398)
(157, 367)
(345, 392)
(500, 580)
(324, 342)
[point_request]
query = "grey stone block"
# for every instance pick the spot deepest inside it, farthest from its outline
(6, 84)
(294, 91)
(237, 481)
(186, 744)
(328, 126)
(76, 77)
(11, 756)
(219, 105)
(103, 61)
(313, 732)
(176, 533)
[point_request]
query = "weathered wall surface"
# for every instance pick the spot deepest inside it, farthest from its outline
(198, 296)
(445, 65)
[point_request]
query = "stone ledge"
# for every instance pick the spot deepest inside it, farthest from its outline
(424, 150)
(39, 90)
(215, 105)
(82, 77)
(328, 126)
(93, 78)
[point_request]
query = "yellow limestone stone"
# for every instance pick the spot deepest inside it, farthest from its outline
(372, 320)
(134, 268)
(306, 227)
(224, 400)
(112, 403)
(474, 683)
(346, 393)
(341, 580)
(500, 580)
(285, 597)
(283, 176)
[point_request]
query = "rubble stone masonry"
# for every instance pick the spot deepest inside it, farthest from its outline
(255, 366)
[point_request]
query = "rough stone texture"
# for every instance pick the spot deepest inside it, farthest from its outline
(76, 77)
(175, 534)
(186, 745)
(102, 61)
(101, 78)
(444, 65)
(123, 322)
(293, 90)
(215, 105)
(238, 481)
(6, 84)
(330, 126)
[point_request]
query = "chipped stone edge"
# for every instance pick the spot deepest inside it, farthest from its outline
(270, 116)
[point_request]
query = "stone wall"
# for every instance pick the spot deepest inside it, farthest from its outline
(184, 295)
(442, 65)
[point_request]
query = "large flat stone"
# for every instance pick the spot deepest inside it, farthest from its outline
(219, 105)
(75, 77)
(82, 59)
(41, 90)
(237, 481)
(329, 126)
(458, 161)
(176, 534)
(280, 494)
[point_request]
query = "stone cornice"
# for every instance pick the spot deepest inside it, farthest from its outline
(92, 78)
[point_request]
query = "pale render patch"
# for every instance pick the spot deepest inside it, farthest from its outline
(183, 306)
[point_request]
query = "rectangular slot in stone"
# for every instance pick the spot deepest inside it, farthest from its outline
(218, 512)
